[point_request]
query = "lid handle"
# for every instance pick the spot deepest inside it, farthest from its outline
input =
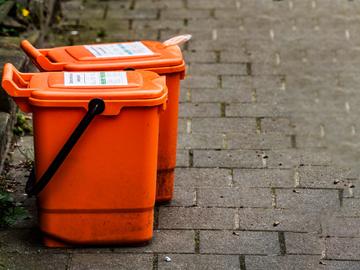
(29, 49)
(16, 83)
(178, 40)
(39, 57)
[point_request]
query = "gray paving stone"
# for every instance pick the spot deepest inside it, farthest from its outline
(183, 125)
(257, 141)
(264, 178)
(182, 158)
(240, 83)
(153, 4)
(107, 25)
(22, 241)
(222, 125)
(351, 207)
(156, 24)
(199, 110)
(239, 242)
(284, 262)
(325, 177)
(135, 35)
(353, 191)
(183, 196)
(228, 158)
(310, 200)
(200, 141)
(303, 243)
(196, 218)
(221, 95)
(111, 261)
(218, 69)
(290, 158)
(13, 261)
(342, 265)
(278, 220)
(341, 226)
(217, 44)
(282, 125)
(255, 110)
(113, 4)
(234, 197)
(84, 11)
(184, 13)
(194, 56)
(266, 69)
(146, 14)
(200, 81)
(203, 4)
(196, 177)
(240, 56)
(198, 24)
(267, 95)
(199, 262)
(173, 241)
(342, 248)
(184, 95)
(310, 141)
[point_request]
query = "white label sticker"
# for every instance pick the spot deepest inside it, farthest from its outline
(119, 49)
(95, 78)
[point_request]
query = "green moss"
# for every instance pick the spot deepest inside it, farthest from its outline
(10, 212)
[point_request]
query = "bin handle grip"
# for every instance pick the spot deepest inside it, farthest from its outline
(39, 57)
(16, 83)
(177, 40)
(96, 106)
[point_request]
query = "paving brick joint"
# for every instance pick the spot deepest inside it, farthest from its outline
(267, 173)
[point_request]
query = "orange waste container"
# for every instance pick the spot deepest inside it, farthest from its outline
(96, 143)
(162, 58)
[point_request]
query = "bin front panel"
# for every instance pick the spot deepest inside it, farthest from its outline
(105, 190)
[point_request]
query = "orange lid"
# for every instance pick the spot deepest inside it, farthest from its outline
(76, 89)
(111, 56)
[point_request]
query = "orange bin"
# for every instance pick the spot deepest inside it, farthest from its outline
(162, 58)
(96, 143)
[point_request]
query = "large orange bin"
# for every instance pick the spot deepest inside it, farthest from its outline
(96, 143)
(162, 58)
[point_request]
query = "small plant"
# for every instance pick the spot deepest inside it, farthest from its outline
(22, 126)
(101, 33)
(17, 20)
(10, 211)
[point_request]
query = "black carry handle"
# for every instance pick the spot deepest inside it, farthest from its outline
(96, 106)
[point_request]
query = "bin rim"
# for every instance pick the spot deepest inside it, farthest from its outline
(162, 70)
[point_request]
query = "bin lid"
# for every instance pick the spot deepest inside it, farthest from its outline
(118, 89)
(75, 89)
(109, 85)
(136, 55)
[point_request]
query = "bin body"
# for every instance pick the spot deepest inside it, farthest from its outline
(104, 191)
(146, 55)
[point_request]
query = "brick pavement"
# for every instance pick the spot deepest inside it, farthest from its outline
(268, 137)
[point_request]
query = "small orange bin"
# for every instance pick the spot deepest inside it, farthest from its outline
(96, 143)
(162, 58)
